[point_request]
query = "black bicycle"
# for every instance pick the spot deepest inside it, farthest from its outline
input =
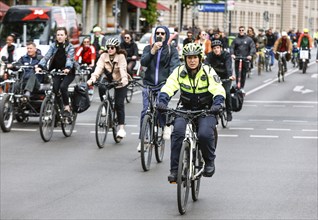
(281, 69)
(51, 113)
(132, 87)
(106, 117)
(191, 163)
(151, 135)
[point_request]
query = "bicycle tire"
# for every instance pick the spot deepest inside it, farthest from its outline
(223, 116)
(6, 113)
(47, 119)
(159, 143)
(197, 166)
(304, 67)
(130, 92)
(183, 180)
(68, 127)
(146, 139)
(102, 124)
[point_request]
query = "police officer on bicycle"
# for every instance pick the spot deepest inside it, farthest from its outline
(200, 88)
(221, 62)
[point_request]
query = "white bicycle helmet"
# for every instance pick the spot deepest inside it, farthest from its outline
(112, 42)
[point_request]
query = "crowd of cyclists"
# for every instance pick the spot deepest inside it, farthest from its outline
(204, 78)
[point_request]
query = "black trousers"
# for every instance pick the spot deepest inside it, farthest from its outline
(228, 101)
(61, 83)
(205, 136)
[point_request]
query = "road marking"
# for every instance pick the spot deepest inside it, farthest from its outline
(85, 124)
(276, 106)
(227, 135)
(305, 137)
(134, 126)
(295, 121)
(303, 91)
(315, 75)
(264, 136)
(278, 129)
(93, 132)
(60, 131)
(261, 120)
(314, 130)
(133, 133)
(247, 105)
(250, 129)
(23, 129)
(265, 81)
(282, 102)
(303, 106)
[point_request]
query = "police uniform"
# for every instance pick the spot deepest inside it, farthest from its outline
(200, 92)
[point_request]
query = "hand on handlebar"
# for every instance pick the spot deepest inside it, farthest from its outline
(66, 71)
(232, 78)
(215, 109)
(233, 56)
(161, 107)
(249, 57)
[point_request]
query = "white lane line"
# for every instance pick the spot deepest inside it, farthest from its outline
(278, 129)
(264, 136)
(227, 135)
(305, 137)
(250, 129)
(295, 121)
(85, 124)
(134, 126)
(314, 130)
(133, 133)
(60, 131)
(23, 129)
(261, 120)
(281, 102)
(248, 105)
(93, 132)
(132, 116)
(303, 106)
(276, 106)
(265, 81)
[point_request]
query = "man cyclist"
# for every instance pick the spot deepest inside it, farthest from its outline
(160, 59)
(270, 41)
(200, 88)
(243, 46)
(283, 44)
(305, 41)
(221, 62)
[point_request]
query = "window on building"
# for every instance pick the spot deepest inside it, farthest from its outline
(265, 2)
(278, 22)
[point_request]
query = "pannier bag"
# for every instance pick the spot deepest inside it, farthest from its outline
(237, 98)
(81, 100)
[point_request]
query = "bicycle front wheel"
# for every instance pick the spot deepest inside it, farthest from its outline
(6, 113)
(223, 116)
(160, 143)
(115, 128)
(183, 179)
(47, 119)
(102, 124)
(146, 141)
(69, 124)
(197, 166)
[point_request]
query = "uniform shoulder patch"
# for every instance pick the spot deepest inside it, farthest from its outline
(216, 78)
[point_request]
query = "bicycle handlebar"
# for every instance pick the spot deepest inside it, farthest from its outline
(108, 84)
(191, 114)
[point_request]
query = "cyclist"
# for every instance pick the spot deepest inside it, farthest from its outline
(251, 34)
(204, 42)
(132, 52)
(113, 63)
(244, 46)
(160, 59)
(61, 56)
(200, 88)
(270, 41)
(98, 40)
(305, 41)
(221, 62)
(87, 53)
(260, 44)
(30, 80)
(283, 44)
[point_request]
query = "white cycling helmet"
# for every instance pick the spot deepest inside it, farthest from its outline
(112, 42)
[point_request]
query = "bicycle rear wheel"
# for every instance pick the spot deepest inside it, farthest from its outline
(68, 124)
(6, 113)
(102, 124)
(197, 166)
(223, 116)
(47, 119)
(183, 179)
(160, 143)
(146, 139)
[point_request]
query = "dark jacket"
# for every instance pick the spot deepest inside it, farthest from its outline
(243, 46)
(131, 49)
(270, 40)
(168, 61)
(222, 64)
(26, 60)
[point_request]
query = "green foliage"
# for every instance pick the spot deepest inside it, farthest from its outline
(150, 13)
(76, 4)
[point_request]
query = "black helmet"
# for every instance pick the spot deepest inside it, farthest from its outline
(191, 49)
(217, 43)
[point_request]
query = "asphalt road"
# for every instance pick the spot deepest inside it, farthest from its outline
(266, 166)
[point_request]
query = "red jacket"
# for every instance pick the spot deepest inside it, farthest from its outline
(88, 54)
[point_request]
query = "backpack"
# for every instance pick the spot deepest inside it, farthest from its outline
(237, 99)
(81, 100)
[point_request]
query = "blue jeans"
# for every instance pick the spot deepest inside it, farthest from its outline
(271, 53)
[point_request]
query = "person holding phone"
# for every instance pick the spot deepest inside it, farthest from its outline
(160, 59)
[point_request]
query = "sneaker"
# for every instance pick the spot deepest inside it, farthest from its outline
(209, 169)
(166, 133)
(121, 133)
(173, 177)
(139, 147)
(103, 112)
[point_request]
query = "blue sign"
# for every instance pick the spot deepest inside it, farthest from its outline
(211, 7)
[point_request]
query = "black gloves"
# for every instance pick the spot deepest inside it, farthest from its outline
(215, 109)
(162, 107)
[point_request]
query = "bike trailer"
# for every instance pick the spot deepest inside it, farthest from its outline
(237, 99)
(81, 100)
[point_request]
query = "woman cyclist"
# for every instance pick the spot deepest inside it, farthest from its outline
(132, 52)
(113, 63)
(87, 53)
(61, 56)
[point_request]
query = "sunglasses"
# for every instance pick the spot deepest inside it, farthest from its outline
(110, 47)
(161, 33)
(242, 30)
(127, 37)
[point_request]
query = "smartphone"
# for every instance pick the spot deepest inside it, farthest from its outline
(159, 39)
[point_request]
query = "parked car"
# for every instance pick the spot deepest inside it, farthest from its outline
(144, 41)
